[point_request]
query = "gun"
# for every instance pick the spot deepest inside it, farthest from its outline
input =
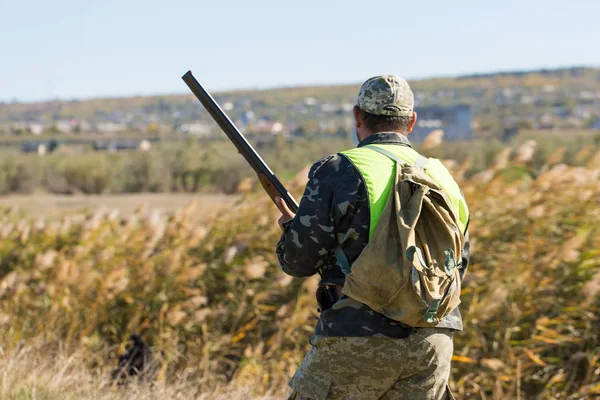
(267, 178)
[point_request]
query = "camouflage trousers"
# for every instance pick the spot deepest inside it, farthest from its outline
(356, 368)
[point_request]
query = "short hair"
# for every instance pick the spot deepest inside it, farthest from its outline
(382, 123)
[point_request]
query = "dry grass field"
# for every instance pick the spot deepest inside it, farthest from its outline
(51, 206)
(223, 321)
(31, 373)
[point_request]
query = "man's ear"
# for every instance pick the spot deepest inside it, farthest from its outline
(413, 121)
(357, 118)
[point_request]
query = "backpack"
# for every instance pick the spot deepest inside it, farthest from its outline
(409, 270)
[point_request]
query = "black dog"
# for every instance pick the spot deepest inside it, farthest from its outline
(136, 361)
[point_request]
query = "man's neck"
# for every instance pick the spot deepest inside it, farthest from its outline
(377, 133)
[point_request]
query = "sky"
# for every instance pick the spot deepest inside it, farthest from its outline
(75, 49)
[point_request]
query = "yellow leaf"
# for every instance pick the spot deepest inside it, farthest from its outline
(545, 339)
(266, 307)
(595, 389)
(238, 337)
(464, 359)
(534, 358)
(560, 377)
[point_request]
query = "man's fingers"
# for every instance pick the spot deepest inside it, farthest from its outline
(278, 203)
(286, 213)
(283, 207)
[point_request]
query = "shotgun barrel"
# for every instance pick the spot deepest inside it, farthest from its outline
(267, 178)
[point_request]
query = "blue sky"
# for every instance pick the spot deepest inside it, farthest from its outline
(80, 49)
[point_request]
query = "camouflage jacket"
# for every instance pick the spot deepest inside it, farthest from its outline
(335, 209)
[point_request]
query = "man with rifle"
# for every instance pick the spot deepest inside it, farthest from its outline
(366, 223)
(387, 231)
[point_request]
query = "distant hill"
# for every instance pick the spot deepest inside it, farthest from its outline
(557, 98)
(560, 72)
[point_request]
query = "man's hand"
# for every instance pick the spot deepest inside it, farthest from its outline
(287, 214)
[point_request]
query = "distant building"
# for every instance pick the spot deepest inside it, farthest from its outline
(455, 121)
(264, 126)
(584, 111)
(36, 129)
(40, 148)
(196, 129)
(63, 126)
(110, 127)
(83, 126)
(112, 146)
(328, 108)
(27, 127)
(595, 124)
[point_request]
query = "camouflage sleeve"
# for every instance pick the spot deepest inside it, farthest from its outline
(308, 240)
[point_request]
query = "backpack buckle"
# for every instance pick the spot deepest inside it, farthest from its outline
(449, 262)
(431, 313)
(413, 252)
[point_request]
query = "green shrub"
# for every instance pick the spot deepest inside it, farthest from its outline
(215, 166)
(88, 173)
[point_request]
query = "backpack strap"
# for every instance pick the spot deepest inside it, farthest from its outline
(421, 161)
(342, 260)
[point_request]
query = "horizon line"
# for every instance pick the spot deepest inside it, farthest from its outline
(295, 86)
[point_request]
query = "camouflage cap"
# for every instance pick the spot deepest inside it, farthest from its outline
(386, 95)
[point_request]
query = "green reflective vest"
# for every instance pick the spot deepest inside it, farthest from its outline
(378, 170)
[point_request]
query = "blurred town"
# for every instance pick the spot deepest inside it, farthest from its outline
(494, 105)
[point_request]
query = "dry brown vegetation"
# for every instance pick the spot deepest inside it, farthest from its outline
(51, 206)
(219, 315)
(29, 372)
